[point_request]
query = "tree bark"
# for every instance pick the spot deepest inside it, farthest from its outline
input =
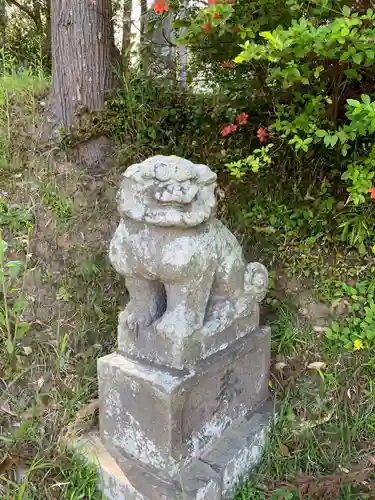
(82, 76)
(143, 52)
(47, 54)
(126, 32)
(3, 27)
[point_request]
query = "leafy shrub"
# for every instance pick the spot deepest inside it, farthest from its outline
(356, 330)
(309, 68)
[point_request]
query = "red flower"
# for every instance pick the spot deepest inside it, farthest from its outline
(227, 65)
(217, 15)
(160, 6)
(261, 134)
(236, 29)
(241, 119)
(211, 2)
(206, 27)
(372, 193)
(228, 129)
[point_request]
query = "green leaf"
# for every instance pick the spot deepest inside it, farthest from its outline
(22, 329)
(371, 127)
(334, 140)
(370, 54)
(19, 305)
(321, 133)
(272, 39)
(352, 74)
(345, 31)
(357, 58)
(366, 99)
(318, 70)
(327, 140)
(346, 11)
(14, 267)
(354, 103)
(3, 248)
(9, 346)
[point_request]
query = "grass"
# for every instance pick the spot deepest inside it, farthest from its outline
(320, 446)
(68, 296)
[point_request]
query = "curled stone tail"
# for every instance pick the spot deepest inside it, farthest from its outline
(256, 281)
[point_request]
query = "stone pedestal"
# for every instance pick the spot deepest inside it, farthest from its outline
(173, 431)
(212, 477)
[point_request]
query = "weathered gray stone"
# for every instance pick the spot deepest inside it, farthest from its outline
(212, 477)
(182, 410)
(160, 418)
(185, 272)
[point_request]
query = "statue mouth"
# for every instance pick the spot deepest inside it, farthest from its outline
(175, 194)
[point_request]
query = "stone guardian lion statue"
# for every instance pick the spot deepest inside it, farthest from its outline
(183, 267)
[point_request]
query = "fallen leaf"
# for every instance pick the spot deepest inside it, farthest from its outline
(310, 424)
(280, 366)
(284, 451)
(40, 383)
(98, 311)
(267, 230)
(371, 459)
(318, 329)
(27, 350)
(344, 469)
(7, 463)
(316, 365)
(88, 410)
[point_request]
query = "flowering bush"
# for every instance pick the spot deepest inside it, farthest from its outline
(298, 79)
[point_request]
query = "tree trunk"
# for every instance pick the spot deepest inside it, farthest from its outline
(46, 49)
(82, 57)
(126, 32)
(143, 52)
(3, 27)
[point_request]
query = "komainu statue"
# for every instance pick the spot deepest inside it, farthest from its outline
(185, 271)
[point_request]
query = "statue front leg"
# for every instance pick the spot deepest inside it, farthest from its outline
(146, 304)
(186, 305)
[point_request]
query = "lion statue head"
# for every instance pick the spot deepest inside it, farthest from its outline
(168, 191)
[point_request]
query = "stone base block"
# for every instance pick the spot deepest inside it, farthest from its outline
(161, 417)
(185, 352)
(214, 476)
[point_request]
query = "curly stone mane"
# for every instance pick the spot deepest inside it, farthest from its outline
(168, 191)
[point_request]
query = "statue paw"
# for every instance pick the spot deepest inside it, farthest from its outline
(135, 317)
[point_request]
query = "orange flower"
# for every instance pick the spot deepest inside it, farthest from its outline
(217, 15)
(241, 119)
(227, 65)
(228, 129)
(372, 193)
(160, 6)
(206, 27)
(261, 134)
